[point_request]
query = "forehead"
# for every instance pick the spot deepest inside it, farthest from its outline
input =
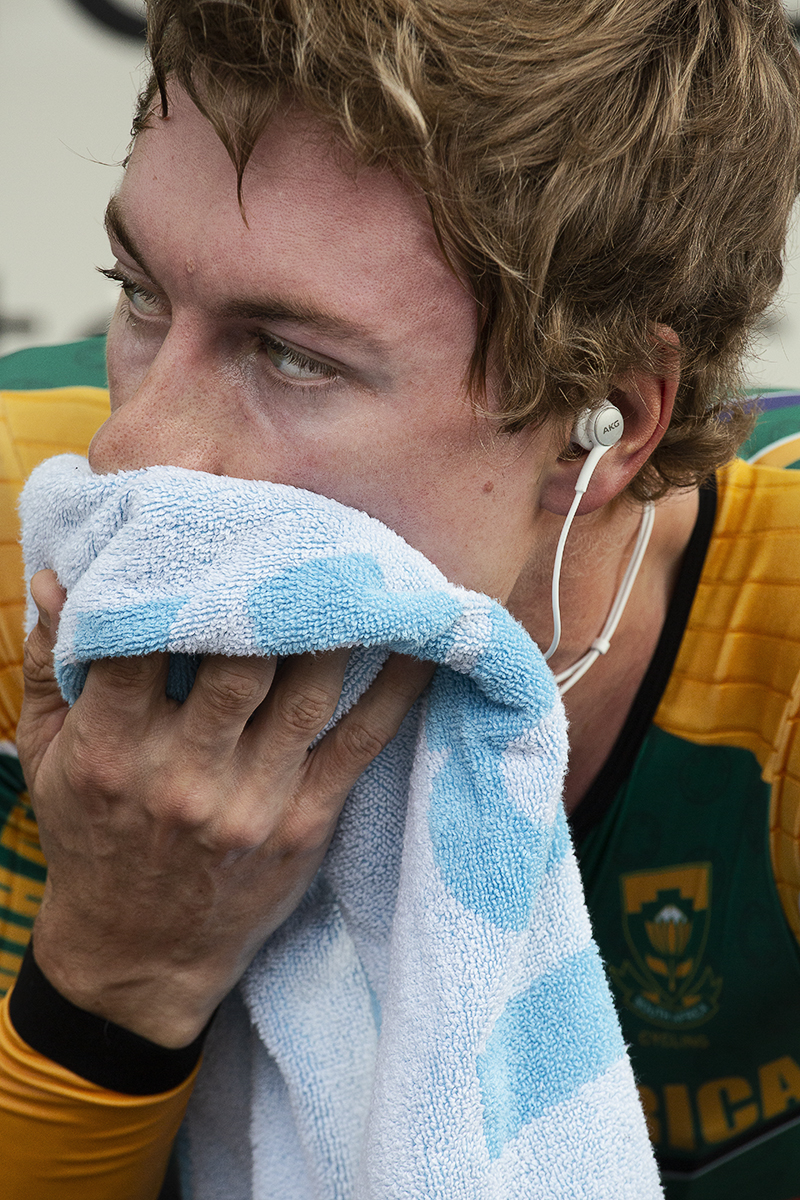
(313, 219)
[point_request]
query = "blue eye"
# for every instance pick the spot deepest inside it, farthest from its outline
(293, 364)
(140, 300)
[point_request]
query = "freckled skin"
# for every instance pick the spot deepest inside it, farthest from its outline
(395, 434)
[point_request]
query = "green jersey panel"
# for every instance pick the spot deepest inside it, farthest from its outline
(705, 971)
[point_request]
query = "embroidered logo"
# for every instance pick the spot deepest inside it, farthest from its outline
(665, 916)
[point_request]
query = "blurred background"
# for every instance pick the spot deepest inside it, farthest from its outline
(69, 73)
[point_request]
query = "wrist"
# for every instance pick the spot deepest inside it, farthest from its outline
(91, 1046)
(151, 1001)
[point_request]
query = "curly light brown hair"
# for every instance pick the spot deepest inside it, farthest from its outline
(596, 168)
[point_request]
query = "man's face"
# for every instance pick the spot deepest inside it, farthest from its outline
(324, 343)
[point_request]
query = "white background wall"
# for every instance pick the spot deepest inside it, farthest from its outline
(67, 86)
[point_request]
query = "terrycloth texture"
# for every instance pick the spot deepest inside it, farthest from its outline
(433, 1021)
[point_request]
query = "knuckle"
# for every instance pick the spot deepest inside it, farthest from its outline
(91, 775)
(182, 808)
(241, 834)
(304, 831)
(306, 711)
(232, 691)
(127, 671)
(359, 743)
(91, 766)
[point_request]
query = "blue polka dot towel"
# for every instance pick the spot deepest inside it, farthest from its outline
(433, 1022)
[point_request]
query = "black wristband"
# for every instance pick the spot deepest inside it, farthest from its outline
(98, 1050)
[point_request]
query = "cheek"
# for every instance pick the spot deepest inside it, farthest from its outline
(394, 467)
(128, 356)
(120, 360)
(466, 504)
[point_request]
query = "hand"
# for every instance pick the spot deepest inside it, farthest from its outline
(179, 836)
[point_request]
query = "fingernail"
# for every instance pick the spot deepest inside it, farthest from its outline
(44, 615)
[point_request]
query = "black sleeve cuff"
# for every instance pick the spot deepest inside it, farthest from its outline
(98, 1050)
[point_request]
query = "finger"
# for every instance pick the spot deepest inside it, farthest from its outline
(48, 595)
(43, 707)
(370, 724)
(226, 693)
(40, 685)
(129, 690)
(300, 704)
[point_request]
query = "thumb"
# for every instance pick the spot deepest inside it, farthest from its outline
(42, 696)
(48, 595)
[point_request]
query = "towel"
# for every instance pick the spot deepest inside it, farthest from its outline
(433, 1021)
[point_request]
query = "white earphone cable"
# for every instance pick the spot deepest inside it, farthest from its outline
(565, 679)
(587, 470)
(596, 431)
(554, 590)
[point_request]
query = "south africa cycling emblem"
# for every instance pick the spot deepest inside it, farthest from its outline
(666, 916)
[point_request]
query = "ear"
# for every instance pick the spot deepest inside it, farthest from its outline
(646, 399)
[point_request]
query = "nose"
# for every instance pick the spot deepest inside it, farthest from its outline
(165, 414)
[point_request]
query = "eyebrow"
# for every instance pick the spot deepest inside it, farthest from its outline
(118, 231)
(267, 310)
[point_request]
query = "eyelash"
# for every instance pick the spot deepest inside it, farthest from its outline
(128, 286)
(323, 371)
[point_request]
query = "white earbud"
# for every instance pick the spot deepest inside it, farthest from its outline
(598, 427)
(596, 430)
